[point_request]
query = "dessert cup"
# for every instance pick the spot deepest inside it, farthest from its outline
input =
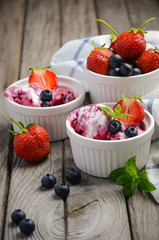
(100, 157)
(53, 119)
(104, 88)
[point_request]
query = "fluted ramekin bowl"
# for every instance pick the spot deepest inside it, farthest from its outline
(53, 119)
(100, 157)
(104, 88)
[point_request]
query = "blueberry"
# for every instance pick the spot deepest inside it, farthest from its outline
(136, 71)
(46, 95)
(112, 50)
(62, 190)
(135, 64)
(115, 60)
(17, 216)
(48, 181)
(27, 226)
(131, 132)
(114, 126)
(73, 176)
(115, 72)
(45, 104)
(126, 69)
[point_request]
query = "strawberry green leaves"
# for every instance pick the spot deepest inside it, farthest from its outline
(130, 178)
(116, 113)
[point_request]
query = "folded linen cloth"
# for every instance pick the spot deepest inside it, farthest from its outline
(69, 61)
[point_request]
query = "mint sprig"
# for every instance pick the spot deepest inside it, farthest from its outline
(116, 113)
(130, 178)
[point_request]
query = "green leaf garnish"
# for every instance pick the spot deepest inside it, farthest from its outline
(114, 114)
(130, 178)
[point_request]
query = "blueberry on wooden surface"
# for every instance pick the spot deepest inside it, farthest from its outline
(48, 181)
(17, 216)
(27, 226)
(73, 176)
(62, 190)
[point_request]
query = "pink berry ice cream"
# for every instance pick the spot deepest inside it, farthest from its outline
(91, 122)
(30, 95)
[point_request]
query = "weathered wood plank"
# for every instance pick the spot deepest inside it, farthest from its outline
(11, 27)
(41, 39)
(78, 19)
(94, 207)
(42, 206)
(42, 34)
(114, 13)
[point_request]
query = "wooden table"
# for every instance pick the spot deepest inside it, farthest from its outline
(31, 31)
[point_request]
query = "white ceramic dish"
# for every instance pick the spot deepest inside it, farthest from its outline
(53, 119)
(100, 157)
(104, 88)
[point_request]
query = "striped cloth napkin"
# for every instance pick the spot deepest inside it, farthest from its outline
(69, 60)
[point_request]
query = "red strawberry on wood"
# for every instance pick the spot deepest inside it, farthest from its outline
(149, 60)
(98, 62)
(31, 143)
(44, 78)
(132, 107)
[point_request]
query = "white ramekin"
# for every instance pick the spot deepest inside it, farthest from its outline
(100, 157)
(104, 88)
(53, 119)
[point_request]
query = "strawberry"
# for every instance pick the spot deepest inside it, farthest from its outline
(31, 143)
(131, 44)
(149, 60)
(133, 107)
(44, 78)
(98, 62)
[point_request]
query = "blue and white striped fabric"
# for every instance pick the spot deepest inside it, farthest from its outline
(69, 60)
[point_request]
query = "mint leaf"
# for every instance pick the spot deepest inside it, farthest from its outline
(129, 188)
(107, 110)
(117, 109)
(144, 183)
(131, 167)
(122, 180)
(113, 176)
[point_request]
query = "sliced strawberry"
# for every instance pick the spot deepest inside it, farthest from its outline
(133, 107)
(44, 78)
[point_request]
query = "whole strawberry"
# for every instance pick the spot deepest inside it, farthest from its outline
(46, 79)
(31, 143)
(98, 62)
(149, 60)
(131, 44)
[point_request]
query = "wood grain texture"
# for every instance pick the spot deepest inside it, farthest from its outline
(78, 19)
(42, 206)
(11, 32)
(42, 34)
(144, 216)
(94, 207)
(115, 13)
(11, 28)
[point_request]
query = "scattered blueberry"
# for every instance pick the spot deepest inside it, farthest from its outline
(115, 72)
(126, 69)
(115, 60)
(136, 71)
(27, 226)
(17, 216)
(131, 132)
(45, 104)
(73, 176)
(46, 95)
(114, 126)
(112, 50)
(48, 181)
(62, 190)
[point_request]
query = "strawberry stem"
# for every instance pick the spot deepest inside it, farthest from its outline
(21, 126)
(38, 69)
(17, 123)
(99, 20)
(146, 22)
